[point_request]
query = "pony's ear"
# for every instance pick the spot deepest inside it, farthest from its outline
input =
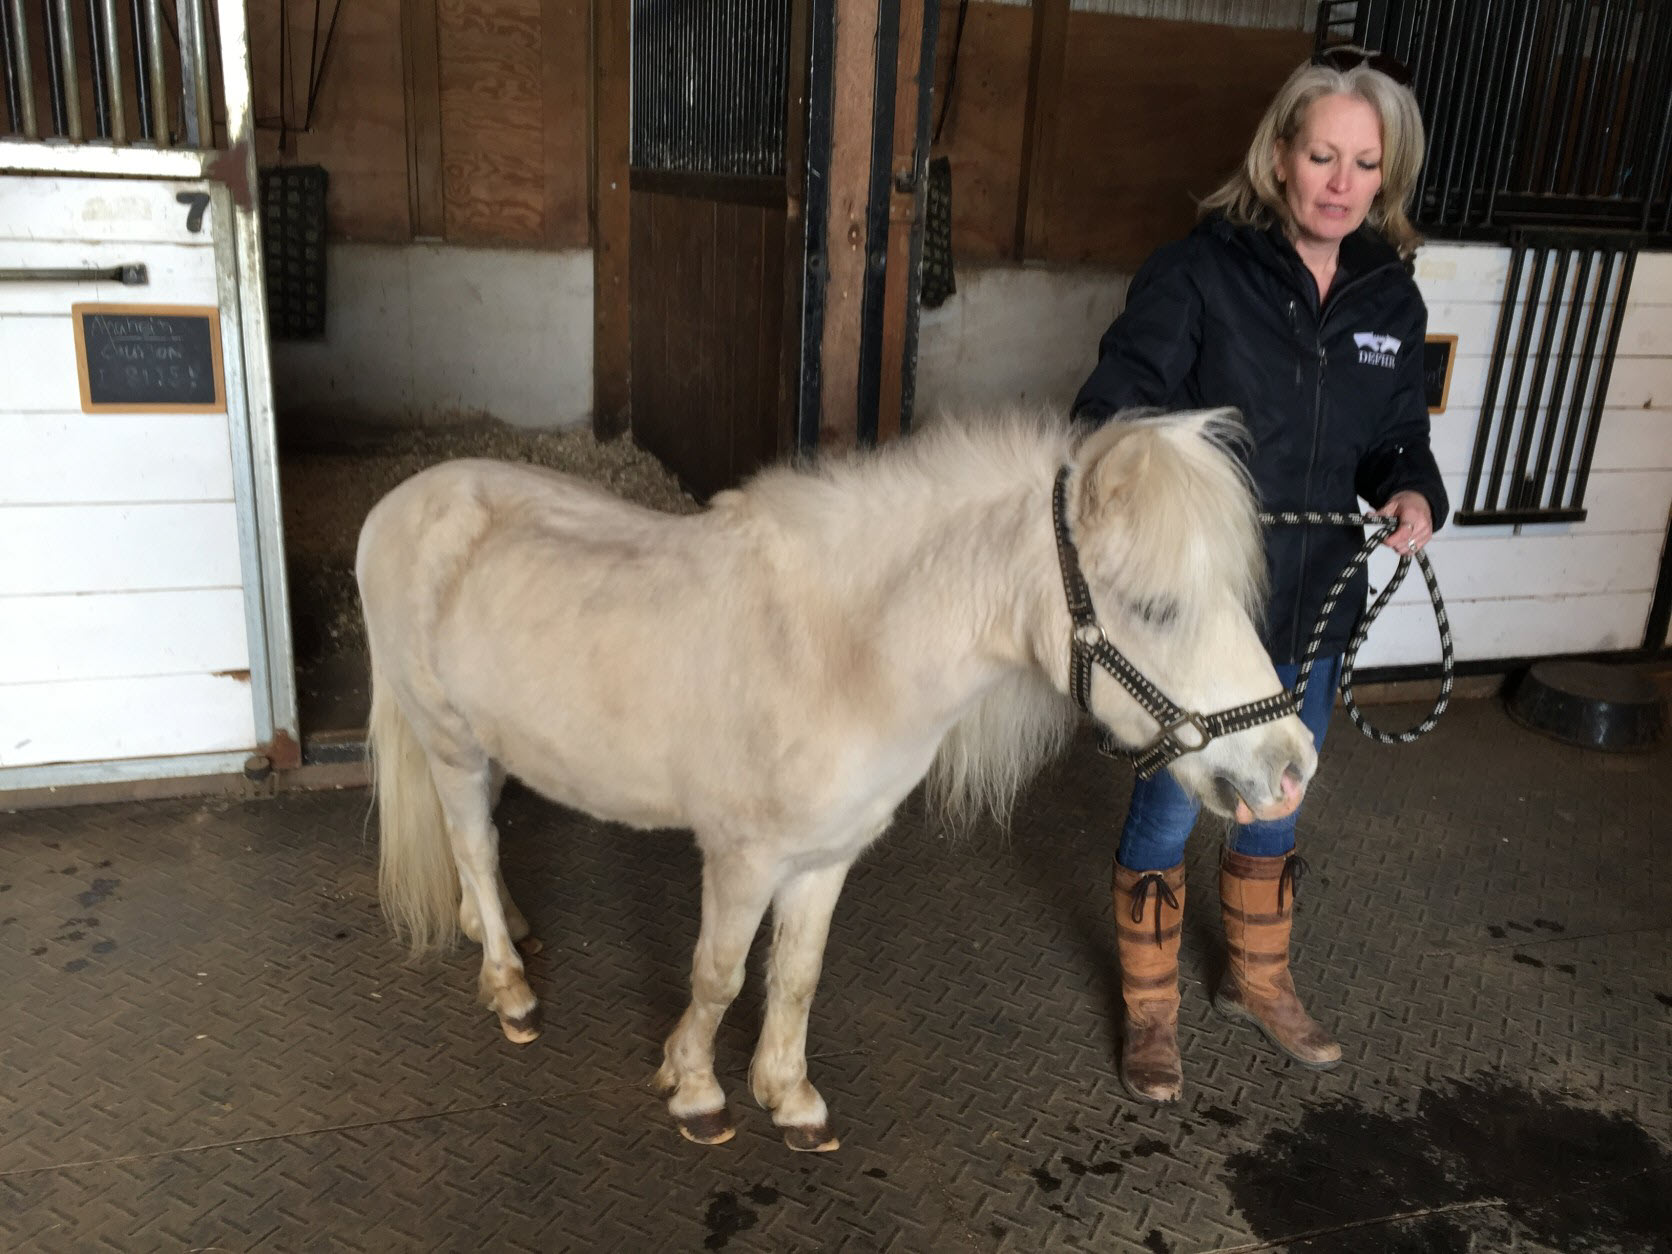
(1116, 459)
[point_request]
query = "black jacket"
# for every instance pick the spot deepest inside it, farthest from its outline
(1332, 398)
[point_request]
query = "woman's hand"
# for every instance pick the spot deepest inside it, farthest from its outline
(1416, 522)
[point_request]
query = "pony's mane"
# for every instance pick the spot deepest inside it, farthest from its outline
(983, 454)
(1188, 530)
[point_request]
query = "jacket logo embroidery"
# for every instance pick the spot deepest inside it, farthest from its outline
(1376, 350)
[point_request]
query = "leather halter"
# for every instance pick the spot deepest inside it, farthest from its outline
(1182, 731)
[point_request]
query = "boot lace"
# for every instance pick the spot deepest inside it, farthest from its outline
(1294, 868)
(1155, 883)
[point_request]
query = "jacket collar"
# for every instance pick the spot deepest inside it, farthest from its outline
(1362, 252)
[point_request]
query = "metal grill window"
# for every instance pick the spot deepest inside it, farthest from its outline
(1557, 330)
(1552, 113)
(143, 66)
(709, 86)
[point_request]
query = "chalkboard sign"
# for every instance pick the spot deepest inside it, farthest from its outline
(149, 358)
(1438, 353)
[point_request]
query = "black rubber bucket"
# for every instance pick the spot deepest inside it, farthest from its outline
(1614, 708)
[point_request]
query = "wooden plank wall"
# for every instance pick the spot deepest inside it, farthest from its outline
(513, 84)
(1148, 115)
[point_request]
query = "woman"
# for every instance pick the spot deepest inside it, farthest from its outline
(1292, 301)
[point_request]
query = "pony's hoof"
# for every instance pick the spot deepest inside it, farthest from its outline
(711, 1128)
(814, 1140)
(521, 1030)
(528, 945)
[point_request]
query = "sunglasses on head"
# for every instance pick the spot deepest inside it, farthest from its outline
(1348, 58)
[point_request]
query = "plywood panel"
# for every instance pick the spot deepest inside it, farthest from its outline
(75, 458)
(94, 720)
(176, 274)
(565, 31)
(707, 292)
(1154, 114)
(982, 135)
(359, 124)
(113, 548)
(493, 143)
(55, 638)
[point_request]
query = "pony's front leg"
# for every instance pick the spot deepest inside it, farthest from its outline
(801, 912)
(503, 987)
(735, 892)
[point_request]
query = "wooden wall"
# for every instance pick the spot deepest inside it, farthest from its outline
(1148, 115)
(509, 84)
(1138, 116)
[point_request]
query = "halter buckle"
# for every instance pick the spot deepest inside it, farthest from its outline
(1194, 722)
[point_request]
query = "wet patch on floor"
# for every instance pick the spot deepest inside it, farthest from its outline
(727, 1215)
(1566, 1176)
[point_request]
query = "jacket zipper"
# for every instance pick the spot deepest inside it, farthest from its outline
(1324, 310)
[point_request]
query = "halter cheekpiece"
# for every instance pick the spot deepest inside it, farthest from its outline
(1182, 731)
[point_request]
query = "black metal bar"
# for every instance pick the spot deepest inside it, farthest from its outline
(1474, 178)
(1521, 493)
(1587, 356)
(1436, 77)
(142, 69)
(873, 299)
(54, 80)
(1512, 397)
(96, 55)
(1515, 517)
(1638, 130)
(1602, 68)
(1660, 609)
(13, 49)
(821, 90)
(1512, 114)
(1564, 376)
(324, 60)
(1488, 409)
(920, 177)
(1594, 425)
(1471, 75)
(1559, 119)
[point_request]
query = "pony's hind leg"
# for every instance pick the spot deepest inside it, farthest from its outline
(470, 922)
(735, 892)
(801, 911)
(464, 791)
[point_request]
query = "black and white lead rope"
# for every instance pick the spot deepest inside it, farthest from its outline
(1382, 526)
(1088, 646)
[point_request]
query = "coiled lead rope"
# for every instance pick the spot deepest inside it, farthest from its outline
(1383, 526)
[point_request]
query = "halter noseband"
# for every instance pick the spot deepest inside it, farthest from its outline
(1088, 644)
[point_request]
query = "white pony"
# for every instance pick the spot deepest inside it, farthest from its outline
(778, 672)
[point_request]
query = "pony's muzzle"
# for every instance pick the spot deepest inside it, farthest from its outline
(1270, 804)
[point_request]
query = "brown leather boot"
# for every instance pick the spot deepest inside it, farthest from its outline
(1149, 909)
(1258, 899)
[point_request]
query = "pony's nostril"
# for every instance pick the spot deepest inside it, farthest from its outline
(1228, 793)
(1294, 780)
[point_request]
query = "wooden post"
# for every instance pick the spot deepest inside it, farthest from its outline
(1049, 47)
(903, 200)
(612, 64)
(850, 182)
(421, 78)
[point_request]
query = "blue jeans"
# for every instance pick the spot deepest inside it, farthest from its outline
(1161, 814)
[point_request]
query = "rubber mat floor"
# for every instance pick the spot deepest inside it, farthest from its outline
(208, 1041)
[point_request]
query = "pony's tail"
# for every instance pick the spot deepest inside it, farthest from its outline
(417, 879)
(996, 748)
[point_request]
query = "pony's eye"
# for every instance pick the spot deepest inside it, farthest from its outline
(1155, 611)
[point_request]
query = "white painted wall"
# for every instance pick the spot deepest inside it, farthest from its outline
(429, 332)
(1029, 335)
(1014, 335)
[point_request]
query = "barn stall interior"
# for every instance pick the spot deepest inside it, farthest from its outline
(516, 263)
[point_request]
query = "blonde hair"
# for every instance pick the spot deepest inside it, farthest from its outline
(1253, 197)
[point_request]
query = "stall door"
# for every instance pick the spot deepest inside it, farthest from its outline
(126, 559)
